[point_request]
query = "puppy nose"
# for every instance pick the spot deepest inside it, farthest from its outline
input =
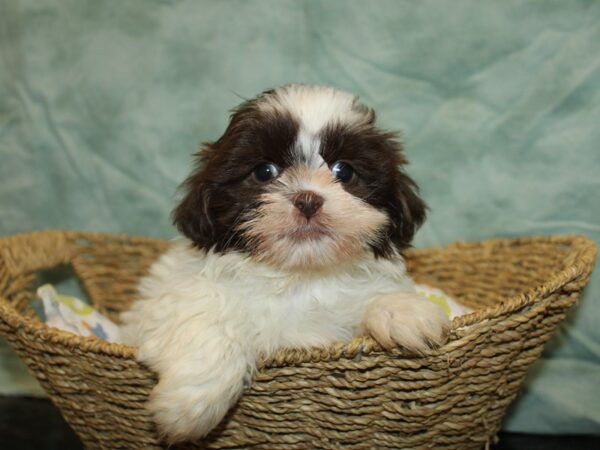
(308, 203)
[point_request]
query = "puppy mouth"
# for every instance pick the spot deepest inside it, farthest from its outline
(308, 232)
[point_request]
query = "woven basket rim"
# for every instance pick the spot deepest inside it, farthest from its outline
(364, 345)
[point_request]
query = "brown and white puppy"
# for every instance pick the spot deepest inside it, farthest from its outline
(294, 224)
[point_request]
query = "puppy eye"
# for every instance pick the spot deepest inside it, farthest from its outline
(342, 171)
(266, 171)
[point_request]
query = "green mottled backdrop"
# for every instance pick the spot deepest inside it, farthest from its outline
(102, 103)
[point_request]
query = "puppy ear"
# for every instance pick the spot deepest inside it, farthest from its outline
(408, 211)
(406, 208)
(193, 217)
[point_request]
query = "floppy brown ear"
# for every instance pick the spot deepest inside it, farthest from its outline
(408, 211)
(193, 217)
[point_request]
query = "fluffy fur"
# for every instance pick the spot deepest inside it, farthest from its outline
(255, 272)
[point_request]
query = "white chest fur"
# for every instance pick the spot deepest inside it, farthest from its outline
(204, 318)
(254, 302)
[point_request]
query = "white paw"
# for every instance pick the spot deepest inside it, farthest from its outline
(187, 403)
(406, 320)
(181, 414)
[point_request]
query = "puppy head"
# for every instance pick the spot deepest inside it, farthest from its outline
(301, 179)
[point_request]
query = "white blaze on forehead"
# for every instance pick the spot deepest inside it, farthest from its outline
(307, 149)
(315, 107)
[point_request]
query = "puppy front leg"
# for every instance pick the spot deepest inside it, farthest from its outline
(197, 386)
(407, 320)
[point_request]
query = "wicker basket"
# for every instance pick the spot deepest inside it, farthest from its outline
(348, 396)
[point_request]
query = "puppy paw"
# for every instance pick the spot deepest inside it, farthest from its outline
(182, 414)
(187, 403)
(406, 320)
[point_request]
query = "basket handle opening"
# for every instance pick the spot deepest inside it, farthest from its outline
(29, 260)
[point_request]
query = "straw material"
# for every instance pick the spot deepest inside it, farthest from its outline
(353, 396)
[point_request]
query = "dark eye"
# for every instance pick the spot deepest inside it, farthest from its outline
(266, 171)
(342, 171)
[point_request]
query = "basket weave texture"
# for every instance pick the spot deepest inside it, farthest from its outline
(352, 395)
